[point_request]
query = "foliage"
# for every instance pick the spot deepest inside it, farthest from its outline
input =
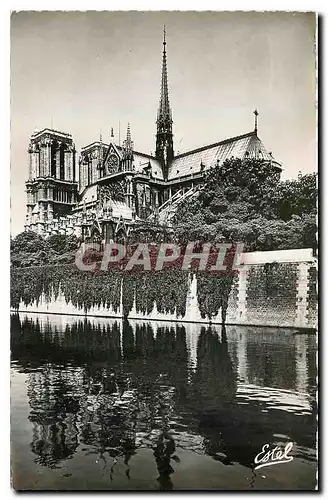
(28, 242)
(212, 294)
(61, 244)
(83, 289)
(30, 249)
(167, 288)
(296, 197)
(243, 201)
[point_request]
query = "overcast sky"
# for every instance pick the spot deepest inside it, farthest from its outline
(83, 72)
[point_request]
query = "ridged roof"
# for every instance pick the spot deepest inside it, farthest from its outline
(50, 131)
(201, 159)
(243, 146)
(141, 161)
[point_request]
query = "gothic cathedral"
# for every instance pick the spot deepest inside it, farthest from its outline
(117, 186)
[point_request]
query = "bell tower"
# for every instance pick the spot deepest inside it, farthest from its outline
(164, 136)
(51, 187)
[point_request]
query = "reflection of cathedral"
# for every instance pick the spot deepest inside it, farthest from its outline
(115, 387)
(118, 186)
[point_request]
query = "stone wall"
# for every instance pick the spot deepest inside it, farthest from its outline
(279, 289)
(274, 289)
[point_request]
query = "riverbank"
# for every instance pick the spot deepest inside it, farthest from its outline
(273, 289)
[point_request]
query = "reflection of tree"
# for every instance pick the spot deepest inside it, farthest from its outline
(163, 453)
(80, 377)
(262, 358)
(215, 388)
(232, 433)
(121, 386)
(214, 384)
(53, 414)
(215, 379)
(158, 368)
(235, 432)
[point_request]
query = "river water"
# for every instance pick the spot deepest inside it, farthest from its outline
(105, 404)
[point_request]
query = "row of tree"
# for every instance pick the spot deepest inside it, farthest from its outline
(31, 249)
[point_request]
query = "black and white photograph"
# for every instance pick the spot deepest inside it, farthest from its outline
(163, 251)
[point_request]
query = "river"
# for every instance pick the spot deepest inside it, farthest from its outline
(110, 404)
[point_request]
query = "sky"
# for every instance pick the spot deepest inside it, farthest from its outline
(85, 72)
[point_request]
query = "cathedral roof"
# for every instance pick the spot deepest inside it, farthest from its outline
(142, 160)
(50, 131)
(242, 146)
(198, 160)
(119, 207)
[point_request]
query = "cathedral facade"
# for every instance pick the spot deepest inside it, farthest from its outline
(112, 187)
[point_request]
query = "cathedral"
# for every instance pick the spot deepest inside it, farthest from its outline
(113, 187)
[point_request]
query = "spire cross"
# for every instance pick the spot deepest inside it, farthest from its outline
(256, 113)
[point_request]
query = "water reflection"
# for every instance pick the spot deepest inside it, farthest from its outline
(108, 389)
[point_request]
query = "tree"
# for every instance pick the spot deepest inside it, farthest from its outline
(28, 242)
(244, 201)
(61, 243)
(296, 197)
(31, 249)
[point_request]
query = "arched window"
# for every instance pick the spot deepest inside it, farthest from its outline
(53, 159)
(89, 172)
(61, 163)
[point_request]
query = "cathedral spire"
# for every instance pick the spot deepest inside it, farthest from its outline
(164, 136)
(164, 110)
(127, 150)
(128, 143)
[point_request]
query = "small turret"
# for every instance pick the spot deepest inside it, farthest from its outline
(127, 151)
